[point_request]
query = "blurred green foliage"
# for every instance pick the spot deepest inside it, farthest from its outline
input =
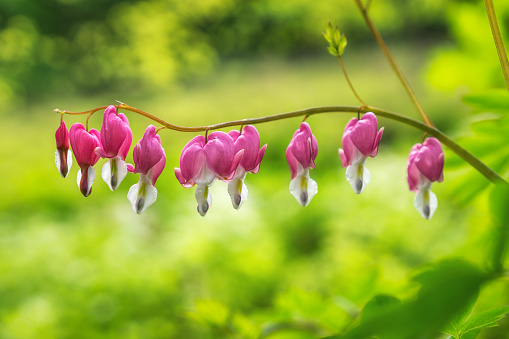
(93, 45)
(345, 265)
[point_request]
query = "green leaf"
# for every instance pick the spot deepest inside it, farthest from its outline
(446, 289)
(489, 101)
(342, 44)
(337, 41)
(327, 37)
(484, 319)
(458, 319)
(498, 205)
(336, 37)
(379, 304)
(471, 335)
(329, 30)
(333, 51)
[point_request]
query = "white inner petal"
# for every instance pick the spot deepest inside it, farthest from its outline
(69, 162)
(207, 177)
(203, 198)
(426, 203)
(303, 188)
(113, 172)
(358, 176)
(142, 195)
(238, 190)
(90, 181)
(58, 163)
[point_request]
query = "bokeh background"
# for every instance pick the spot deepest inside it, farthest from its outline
(74, 267)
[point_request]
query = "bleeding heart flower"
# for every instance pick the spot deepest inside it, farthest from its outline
(149, 160)
(249, 141)
(63, 158)
(116, 139)
(360, 141)
(425, 166)
(301, 154)
(202, 161)
(83, 144)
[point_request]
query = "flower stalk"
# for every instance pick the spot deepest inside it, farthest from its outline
(393, 63)
(499, 43)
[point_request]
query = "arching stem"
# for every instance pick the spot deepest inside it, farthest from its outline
(431, 130)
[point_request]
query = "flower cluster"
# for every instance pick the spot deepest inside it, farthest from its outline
(224, 156)
(229, 157)
(113, 143)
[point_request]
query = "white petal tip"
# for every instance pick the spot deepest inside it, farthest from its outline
(63, 166)
(113, 172)
(142, 195)
(238, 192)
(85, 182)
(358, 176)
(203, 198)
(303, 188)
(426, 203)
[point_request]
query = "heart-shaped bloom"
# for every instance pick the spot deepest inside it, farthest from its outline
(149, 160)
(360, 141)
(202, 161)
(116, 139)
(63, 158)
(425, 166)
(83, 144)
(249, 141)
(301, 154)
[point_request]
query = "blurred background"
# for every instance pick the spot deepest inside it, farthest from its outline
(75, 267)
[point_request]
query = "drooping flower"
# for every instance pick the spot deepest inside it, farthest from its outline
(116, 139)
(425, 166)
(203, 161)
(149, 160)
(63, 158)
(360, 141)
(301, 154)
(249, 141)
(83, 144)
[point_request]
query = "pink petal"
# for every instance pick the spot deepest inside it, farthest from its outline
(128, 139)
(219, 153)
(149, 151)
(430, 161)
(116, 135)
(344, 158)
(304, 146)
(249, 140)
(234, 134)
(348, 150)
(377, 142)
(84, 144)
(292, 162)
(182, 180)
(192, 159)
(414, 175)
(235, 162)
(259, 158)
(158, 168)
(364, 133)
(62, 136)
